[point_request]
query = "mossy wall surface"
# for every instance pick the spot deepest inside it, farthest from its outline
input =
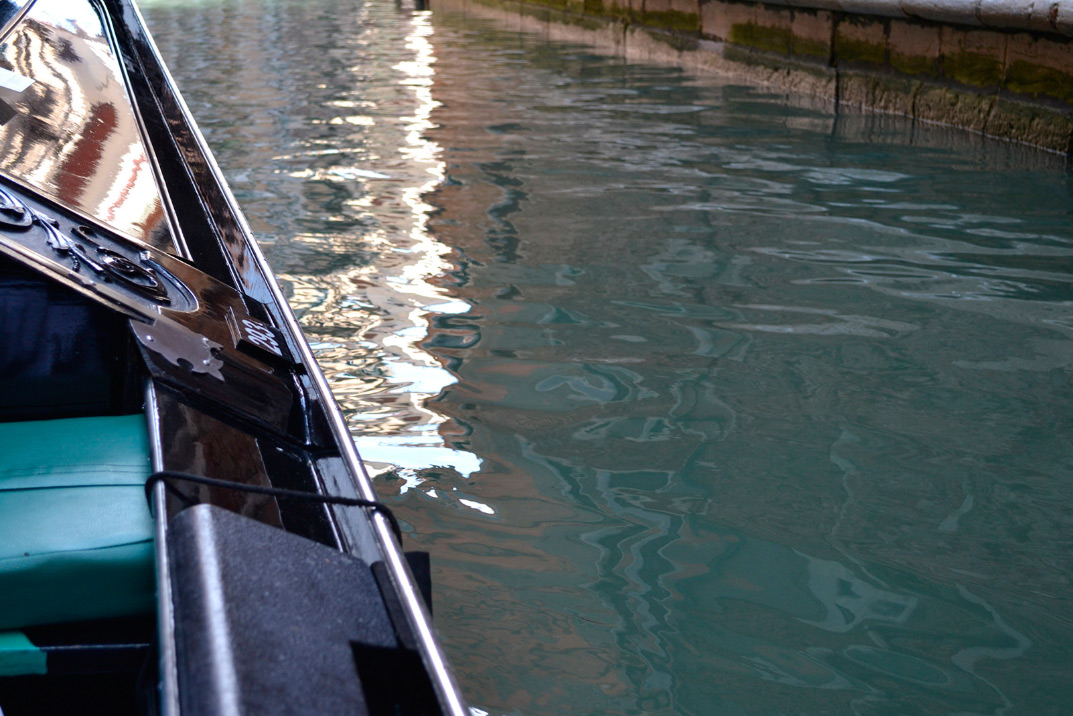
(1008, 83)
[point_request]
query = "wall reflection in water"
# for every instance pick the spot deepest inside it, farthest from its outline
(67, 126)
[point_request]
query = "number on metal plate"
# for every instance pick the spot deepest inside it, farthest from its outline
(261, 335)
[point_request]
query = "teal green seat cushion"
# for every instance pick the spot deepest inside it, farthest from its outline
(19, 656)
(75, 529)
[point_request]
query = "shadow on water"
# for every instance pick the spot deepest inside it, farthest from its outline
(705, 401)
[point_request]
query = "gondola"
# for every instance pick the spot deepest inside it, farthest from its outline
(185, 525)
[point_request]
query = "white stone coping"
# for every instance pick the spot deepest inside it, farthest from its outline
(1053, 16)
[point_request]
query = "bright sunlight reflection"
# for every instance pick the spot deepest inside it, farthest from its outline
(409, 371)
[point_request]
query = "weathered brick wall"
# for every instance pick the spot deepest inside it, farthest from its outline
(1003, 81)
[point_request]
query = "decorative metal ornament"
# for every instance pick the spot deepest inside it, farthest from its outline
(141, 278)
(85, 247)
(13, 213)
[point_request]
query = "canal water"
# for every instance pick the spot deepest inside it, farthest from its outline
(705, 400)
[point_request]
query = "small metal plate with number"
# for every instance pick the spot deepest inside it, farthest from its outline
(258, 339)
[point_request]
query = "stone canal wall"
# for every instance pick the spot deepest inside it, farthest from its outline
(998, 67)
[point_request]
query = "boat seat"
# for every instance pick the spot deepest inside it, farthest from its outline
(19, 656)
(76, 533)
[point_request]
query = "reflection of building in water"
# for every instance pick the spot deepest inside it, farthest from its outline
(332, 181)
(72, 133)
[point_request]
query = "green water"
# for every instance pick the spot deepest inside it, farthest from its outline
(705, 400)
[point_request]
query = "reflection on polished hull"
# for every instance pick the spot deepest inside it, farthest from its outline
(70, 131)
(147, 351)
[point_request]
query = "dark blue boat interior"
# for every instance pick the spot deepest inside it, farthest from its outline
(58, 355)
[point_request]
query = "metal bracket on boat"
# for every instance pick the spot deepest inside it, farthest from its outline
(180, 346)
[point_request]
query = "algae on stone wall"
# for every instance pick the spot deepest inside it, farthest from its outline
(1013, 84)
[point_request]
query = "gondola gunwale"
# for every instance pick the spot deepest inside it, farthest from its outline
(431, 651)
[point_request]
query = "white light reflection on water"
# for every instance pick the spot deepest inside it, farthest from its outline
(410, 296)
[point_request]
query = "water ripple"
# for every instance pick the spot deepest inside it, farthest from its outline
(704, 402)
